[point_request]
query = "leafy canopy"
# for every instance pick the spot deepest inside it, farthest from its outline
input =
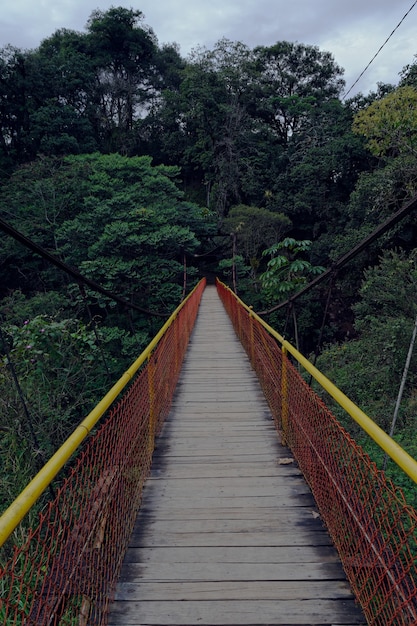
(390, 124)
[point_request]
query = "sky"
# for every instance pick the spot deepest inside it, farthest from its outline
(352, 30)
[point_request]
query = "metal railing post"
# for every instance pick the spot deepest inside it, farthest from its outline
(151, 390)
(284, 396)
(252, 339)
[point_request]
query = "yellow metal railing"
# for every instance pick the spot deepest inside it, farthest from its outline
(22, 504)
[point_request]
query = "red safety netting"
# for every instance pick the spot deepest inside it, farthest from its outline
(370, 523)
(67, 568)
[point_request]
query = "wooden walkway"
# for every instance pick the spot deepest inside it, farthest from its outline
(228, 532)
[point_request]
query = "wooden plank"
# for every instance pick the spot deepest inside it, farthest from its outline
(242, 506)
(237, 554)
(189, 427)
(315, 611)
(218, 431)
(218, 448)
(221, 470)
(234, 590)
(307, 517)
(305, 511)
(170, 513)
(237, 526)
(245, 414)
(232, 571)
(228, 488)
(300, 537)
(220, 459)
(276, 484)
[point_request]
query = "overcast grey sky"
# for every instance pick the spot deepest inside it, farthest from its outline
(352, 30)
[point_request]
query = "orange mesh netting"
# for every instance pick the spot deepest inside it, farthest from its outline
(370, 523)
(66, 570)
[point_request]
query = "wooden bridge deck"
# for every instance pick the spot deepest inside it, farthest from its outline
(228, 532)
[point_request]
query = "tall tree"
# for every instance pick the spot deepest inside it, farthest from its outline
(64, 120)
(323, 162)
(79, 92)
(16, 105)
(207, 122)
(293, 80)
(123, 50)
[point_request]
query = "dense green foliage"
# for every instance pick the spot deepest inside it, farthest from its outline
(145, 171)
(369, 368)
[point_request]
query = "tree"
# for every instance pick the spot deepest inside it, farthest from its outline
(79, 92)
(205, 124)
(16, 104)
(287, 271)
(46, 98)
(293, 80)
(119, 220)
(237, 112)
(390, 124)
(254, 228)
(36, 200)
(123, 54)
(64, 120)
(323, 162)
(57, 364)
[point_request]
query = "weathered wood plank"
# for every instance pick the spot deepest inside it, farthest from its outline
(207, 483)
(237, 554)
(232, 571)
(170, 513)
(217, 457)
(221, 470)
(228, 488)
(315, 611)
(218, 448)
(298, 537)
(217, 430)
(243, 526)
(234, 590)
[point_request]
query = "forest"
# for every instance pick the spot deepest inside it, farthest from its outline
(145, 171)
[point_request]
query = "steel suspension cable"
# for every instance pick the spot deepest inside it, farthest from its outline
(352, 253)
(78, 277)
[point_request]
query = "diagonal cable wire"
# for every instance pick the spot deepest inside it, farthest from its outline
(76, 275)
(376, 54)
(345, 258)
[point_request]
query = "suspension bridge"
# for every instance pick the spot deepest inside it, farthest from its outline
(212, 485)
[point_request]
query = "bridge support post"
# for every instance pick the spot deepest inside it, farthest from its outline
(177, 343)
(252, 341)
(284, 396)
(151, 392)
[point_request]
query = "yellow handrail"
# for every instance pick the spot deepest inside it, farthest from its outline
(384, 441)
(26, 499)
